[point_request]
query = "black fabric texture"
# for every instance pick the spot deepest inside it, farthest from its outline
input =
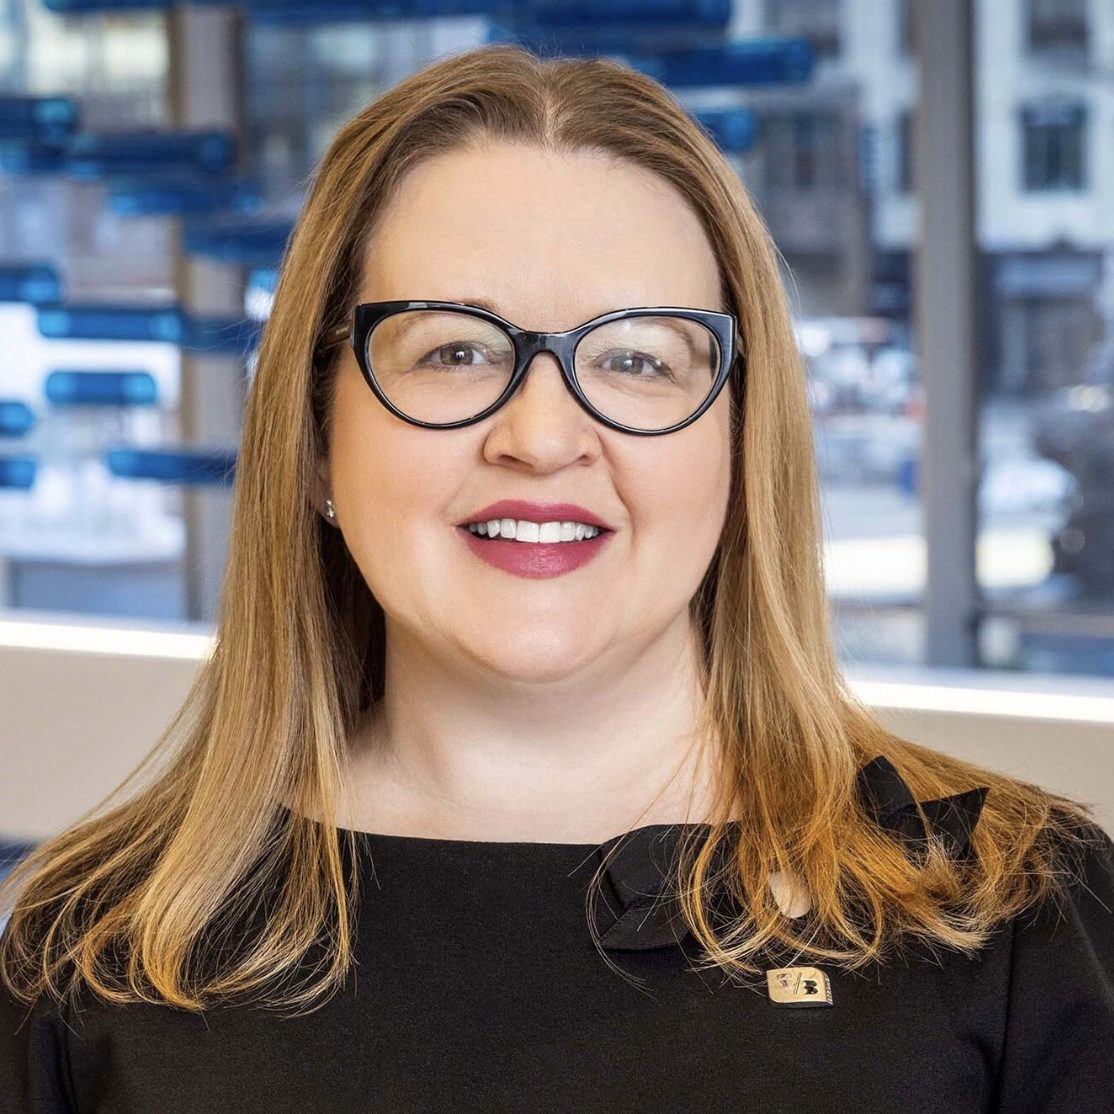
(478, 988)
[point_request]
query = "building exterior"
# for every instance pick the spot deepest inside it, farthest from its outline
(833, 172)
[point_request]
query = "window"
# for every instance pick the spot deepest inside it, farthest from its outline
(903, 151)
(1045, 261)
(806, 155)
(815, 20)
(1057, 335)
(1058, 26)
(906, 29)
(803, 150)
(1053, 146)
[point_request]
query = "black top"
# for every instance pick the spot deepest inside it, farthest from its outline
(478, 988)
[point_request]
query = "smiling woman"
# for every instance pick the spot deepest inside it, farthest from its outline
(536, 785)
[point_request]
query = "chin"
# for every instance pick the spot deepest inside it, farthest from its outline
(522, 655)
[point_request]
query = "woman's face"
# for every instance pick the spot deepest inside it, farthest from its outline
(550, 240)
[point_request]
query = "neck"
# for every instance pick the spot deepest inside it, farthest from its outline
(575, 760)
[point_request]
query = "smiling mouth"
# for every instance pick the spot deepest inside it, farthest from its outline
(567, 533)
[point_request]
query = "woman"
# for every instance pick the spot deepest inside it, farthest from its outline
(613, 832)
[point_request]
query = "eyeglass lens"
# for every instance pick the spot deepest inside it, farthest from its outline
(444, 366)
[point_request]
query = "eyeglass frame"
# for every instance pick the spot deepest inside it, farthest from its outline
(528, 344)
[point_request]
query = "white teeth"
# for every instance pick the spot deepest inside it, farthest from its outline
(523, 531)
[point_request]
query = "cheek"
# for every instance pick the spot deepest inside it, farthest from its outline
(682, 495)
(378, 463)
(720, 449)
(395, 483)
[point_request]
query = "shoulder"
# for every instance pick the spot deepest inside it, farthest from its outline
(34, 1060)
(1074, 923)
(1059, 1028)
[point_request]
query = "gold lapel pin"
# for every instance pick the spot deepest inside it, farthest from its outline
(799, 986)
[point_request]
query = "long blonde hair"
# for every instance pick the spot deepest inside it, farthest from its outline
(148, 898)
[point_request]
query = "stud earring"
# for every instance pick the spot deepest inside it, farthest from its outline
(330, 510)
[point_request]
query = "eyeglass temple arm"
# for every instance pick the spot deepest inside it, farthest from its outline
(335, 336)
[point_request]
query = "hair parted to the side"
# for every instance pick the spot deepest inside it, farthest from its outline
(210, 883)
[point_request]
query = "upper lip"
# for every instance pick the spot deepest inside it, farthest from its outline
(536, 512)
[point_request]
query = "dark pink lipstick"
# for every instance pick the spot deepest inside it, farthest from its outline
(536, 512)
(535, 560)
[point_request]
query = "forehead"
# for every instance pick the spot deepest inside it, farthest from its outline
(548, 238)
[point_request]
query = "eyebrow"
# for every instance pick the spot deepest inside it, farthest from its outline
(485, 303)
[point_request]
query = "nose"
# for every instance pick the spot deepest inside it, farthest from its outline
(543, 391)
(542, 422)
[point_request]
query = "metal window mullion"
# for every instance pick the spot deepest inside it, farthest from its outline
(204, 91)
(945, 297)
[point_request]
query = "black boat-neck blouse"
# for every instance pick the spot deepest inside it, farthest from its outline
(478, 988)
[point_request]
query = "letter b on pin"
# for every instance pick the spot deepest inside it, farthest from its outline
(799, 986)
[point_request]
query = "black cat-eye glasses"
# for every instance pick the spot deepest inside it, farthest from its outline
(441, 365)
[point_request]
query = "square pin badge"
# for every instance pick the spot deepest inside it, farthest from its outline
(799, 986)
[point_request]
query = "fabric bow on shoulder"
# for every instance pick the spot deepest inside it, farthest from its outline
(637, 879)
(640, 909)
(888, 799)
